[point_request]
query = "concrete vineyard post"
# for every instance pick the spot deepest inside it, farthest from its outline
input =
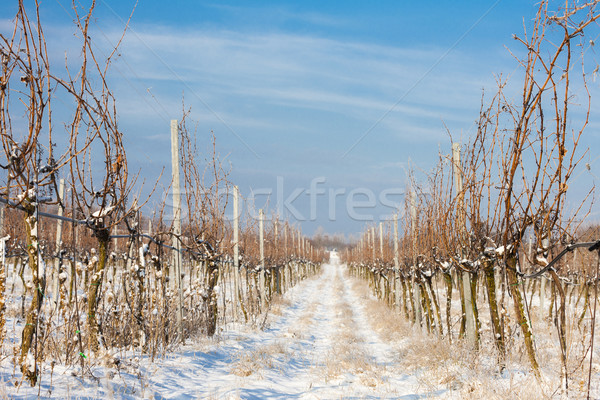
(373, 241)
(396, 262)
(176, 222)
(285, 240)
(236, 249)
(275, 239)
(470, 324)
(61, 196)
(261, 243)
(381, 240)
(458, 186)
(261, 238)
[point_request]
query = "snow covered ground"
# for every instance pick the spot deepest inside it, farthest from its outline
(320, 341)
(316, 344)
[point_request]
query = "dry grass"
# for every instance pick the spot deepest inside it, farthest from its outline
(257, 360)
(389, 324)
(279, 304)
(347, 354)
(466, 373)
(307, 317)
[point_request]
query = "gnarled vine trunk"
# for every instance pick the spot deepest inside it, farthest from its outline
(513, 284)
(210, 301)
(498, 331)
(94, 289)
(27, 359)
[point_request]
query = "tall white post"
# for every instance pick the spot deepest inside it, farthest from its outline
(381, 240)
(3, 252)
(261, 239)
(116, 242)
(236, 228)
(176, 221)
(276, 238)
(413, 224)
(261, 236)
(58, 242)
(236, 250)
(396, 252)
(285, 240)
(3, 266)
(396, 263)
(416, 292)
(456, 167)
(373, 241)
(470, 323)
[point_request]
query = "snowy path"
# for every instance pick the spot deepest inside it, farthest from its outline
(321, 347)
(317, 345)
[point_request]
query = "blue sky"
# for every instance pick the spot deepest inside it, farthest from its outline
(340, 95)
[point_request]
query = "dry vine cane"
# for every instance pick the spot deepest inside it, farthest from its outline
(101, 196)
(539, 198)
(32, 156)
(206, 204)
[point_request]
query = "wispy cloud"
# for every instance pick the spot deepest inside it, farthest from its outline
(354, 79)
(270, 85)
(274, 13)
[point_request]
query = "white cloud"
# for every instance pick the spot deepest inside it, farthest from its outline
(273, 12)
(232, 71)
